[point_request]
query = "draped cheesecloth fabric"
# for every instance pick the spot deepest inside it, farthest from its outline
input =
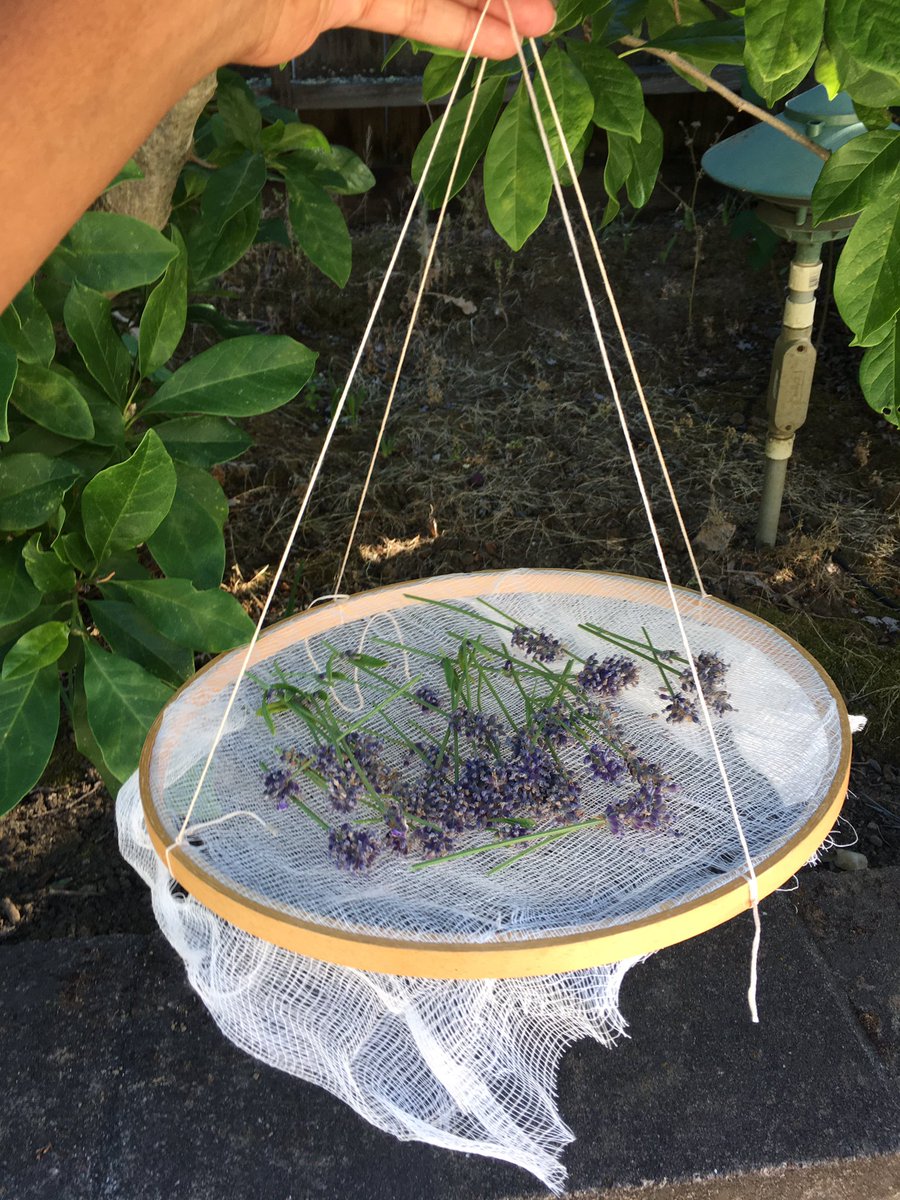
(466, 1064)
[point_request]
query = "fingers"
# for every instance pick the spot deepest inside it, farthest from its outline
(451, 23)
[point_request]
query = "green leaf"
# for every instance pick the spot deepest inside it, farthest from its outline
(165, 313)
(203, 441)
(123, 505)
(88, 319)
(128, 173)
(281, 138)
(826, 72)
(9, 366)
(211, 252)
(517, 183)
(868, 31)
(112, 253)
(238, 110)
(355, 175)
(31, 488)
(109, 422)
(238, 378)
(573, 99)
(52, 401)
(18, 595)
(720, 42)
(189, 543)
(130, 633)
(646, 156)
(38, 648)
(232, 188)
(272, 231)
(44, 568)
(29, 719)
(856, 174)
(879, 375)
(867, 280)
(319, 226)
(618, 97)
(85, 740)
(873, 118)
(439, 76)
(210, 620)
(783, 40)
(490, 97)
(27, 327)
(72, 549)
(393, 50)
(123, 701)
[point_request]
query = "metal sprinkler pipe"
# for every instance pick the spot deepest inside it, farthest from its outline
(790, 383)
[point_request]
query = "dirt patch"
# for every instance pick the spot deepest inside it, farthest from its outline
(504, 450)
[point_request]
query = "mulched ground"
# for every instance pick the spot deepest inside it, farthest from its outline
(504, 451)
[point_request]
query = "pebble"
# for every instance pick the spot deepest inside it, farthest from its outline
(850, 860)
(10, 911)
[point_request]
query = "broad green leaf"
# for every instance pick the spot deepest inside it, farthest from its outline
(826, 72)
(281, 138)
(867, 280)
(71, 549)
(273, 231)
(337, 170)
(31, 488)
(573, 99)
(112, 253)
(123, 505)
(123, 701)
(393, 50)
(783, 39)
(490, 97)
(237, 109)
(29, 719)
(109, 423)
(88, 319)
(857, 173)
(203, 441)
(26, 325)
(237, 378)
(44, 568)
(130, 633)
(578, 154)
(615, 173)
(9, 366)
(646, 156)
(618, 97)
(439, 76)
(52, 401)
(517, 183)
(868, 31)
(165, 313)
(210, 620)
(319, 226)
(85, 740)
(188, 543)
(38, 648)
(879, 375)
(873, 118)
(720, 42)
(232, 188)
(18, 595)
(50, 611)
(211, 252)
(129, 172)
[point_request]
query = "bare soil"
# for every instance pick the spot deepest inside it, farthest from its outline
(504, 450)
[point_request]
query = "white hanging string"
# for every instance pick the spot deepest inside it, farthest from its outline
(752, 883)
(426, 271)
(336, 416)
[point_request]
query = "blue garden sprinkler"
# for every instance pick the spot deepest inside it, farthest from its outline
(782, 174)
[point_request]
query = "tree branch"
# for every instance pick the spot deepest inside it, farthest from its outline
(675, 60)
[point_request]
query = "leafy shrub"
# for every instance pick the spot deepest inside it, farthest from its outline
(113, 553)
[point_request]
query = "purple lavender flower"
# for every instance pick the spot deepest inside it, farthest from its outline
(540, 646)
(279, 782)
(609, 677)
(680, 707)
(432, 842)
(475, 725)
(711, 673)
(427, 699)
(604, 764)
(646, 808)
(353, 849)
(397, 829)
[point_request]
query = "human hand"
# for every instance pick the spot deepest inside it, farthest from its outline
(283, 29)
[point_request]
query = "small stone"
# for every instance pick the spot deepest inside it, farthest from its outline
(10, 911)
(850, 860)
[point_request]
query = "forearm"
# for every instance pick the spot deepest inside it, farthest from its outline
(86, 81)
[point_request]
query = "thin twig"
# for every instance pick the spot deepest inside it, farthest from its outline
(682, 64)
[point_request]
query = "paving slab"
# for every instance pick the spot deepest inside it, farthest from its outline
(117, 1085)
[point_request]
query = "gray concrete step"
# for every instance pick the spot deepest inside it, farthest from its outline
(116, 1085)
